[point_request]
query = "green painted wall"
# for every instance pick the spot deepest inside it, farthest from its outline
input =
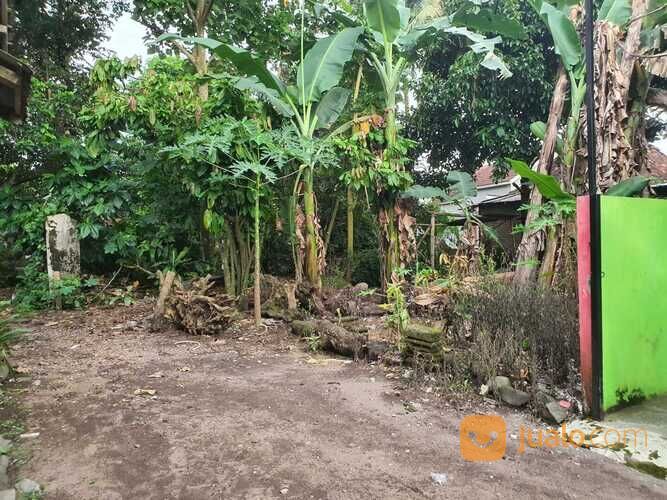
(634, 297)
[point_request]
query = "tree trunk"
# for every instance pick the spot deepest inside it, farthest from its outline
(199, 53)
(166, 282)
(351, 202)
(330, 226)
(313, 256)
(390, 247)
(532, 241)
(620, 100)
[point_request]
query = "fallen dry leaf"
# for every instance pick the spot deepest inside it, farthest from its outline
(145, 392)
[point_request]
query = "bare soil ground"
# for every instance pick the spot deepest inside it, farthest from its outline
(252, 415)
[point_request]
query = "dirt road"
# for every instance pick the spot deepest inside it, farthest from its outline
(254, 416)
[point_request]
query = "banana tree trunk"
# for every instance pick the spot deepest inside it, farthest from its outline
(312, 234)
(532, 241)
(620, 100)
(390, 245)
(200, 17)
(432, 260)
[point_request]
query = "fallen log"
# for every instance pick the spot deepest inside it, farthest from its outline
(333, 337)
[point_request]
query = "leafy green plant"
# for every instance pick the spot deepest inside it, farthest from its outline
(314, 343)
(549, 214)
(547, 185)
(34, 292)
(123, 296)
(399, 316)
(629, 187)
(424, 276)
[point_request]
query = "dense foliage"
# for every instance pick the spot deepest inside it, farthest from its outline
(464, 115)
(254, 139)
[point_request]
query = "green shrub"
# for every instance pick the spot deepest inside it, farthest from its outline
(33, 291)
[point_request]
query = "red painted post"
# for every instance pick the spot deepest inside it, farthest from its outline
(584, 286)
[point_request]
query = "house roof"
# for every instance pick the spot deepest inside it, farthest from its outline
(484, 176)
(656, 164)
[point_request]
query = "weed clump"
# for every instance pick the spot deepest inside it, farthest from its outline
(526, 331)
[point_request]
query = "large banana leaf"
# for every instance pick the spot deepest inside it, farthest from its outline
(615, 11)
(384, 17)
(331, 106)
(482, 45)
(487, 21)
(322, 68)
(269, 95)
(408, 40)
(245, 61)
(420, 192)
(546, 184)
(564, 34)
(462, 185)
(563, 5)
(629, 187)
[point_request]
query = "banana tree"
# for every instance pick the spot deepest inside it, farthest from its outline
(313, 103)
(617, 139)
(395, 32)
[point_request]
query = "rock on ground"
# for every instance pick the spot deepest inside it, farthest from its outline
(556, 412)
(513, 397)
(28, 486)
